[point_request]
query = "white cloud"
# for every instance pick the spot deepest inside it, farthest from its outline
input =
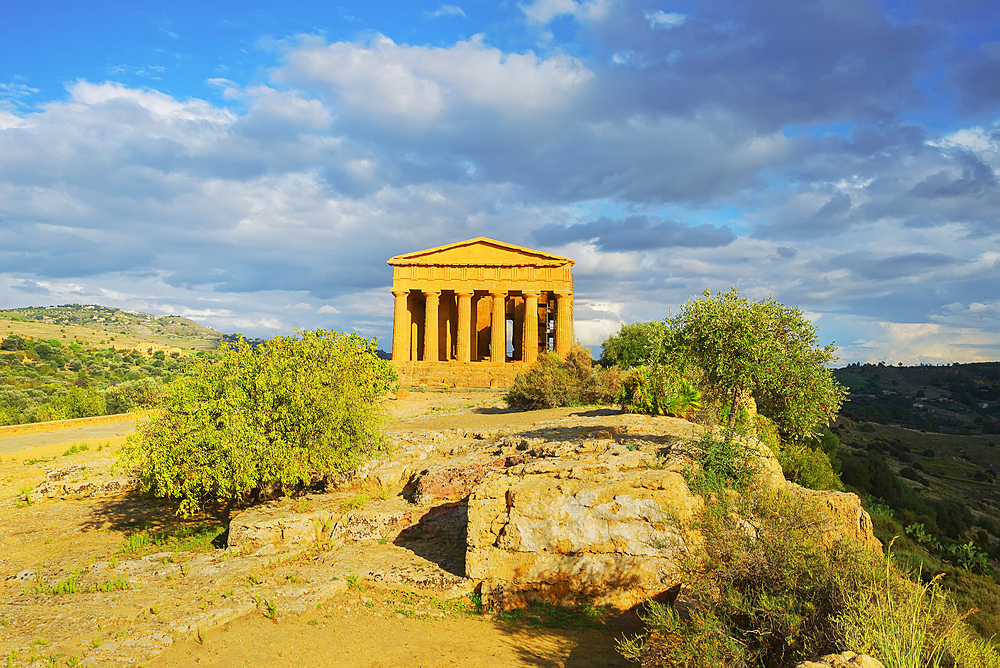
(326, 308)
(662, 19)
(543, 11)
(974, 139)
(915, 343)
(422, 84)
(445, 10)
(594, 332)
(14, 94)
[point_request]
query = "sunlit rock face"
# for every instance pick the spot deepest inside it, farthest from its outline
(606, 520)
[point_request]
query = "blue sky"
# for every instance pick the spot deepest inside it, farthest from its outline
(252, 165)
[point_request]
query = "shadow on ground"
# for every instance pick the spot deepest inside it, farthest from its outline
(440, 536)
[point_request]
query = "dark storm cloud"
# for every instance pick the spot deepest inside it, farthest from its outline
(976, 76)
(786, 252)
(977, 178)
(635, 233)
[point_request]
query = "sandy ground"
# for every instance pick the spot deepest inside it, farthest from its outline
(368, 626)
(9, 444)
(347, 633)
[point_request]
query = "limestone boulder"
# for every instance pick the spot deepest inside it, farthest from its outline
(575, 531)
(847, 518)
(605, 520)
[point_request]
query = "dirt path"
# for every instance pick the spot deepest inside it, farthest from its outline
(9, 444)
(378, 629)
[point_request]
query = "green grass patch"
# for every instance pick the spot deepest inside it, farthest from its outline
(543, 614)
(183, 538)
(74, 449)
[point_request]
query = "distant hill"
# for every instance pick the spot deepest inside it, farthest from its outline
(130, 328)
(960, 399)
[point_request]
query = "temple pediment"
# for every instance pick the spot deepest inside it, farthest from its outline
(480, 252)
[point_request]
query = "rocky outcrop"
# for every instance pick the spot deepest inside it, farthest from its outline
(580, 510)
(597, 520)
(572, 536)
(607, 520)
(847, 519)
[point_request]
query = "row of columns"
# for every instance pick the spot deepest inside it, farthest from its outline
(401, 331)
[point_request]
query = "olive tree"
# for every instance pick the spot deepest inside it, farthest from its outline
(272, 418)
(636, 344)
(762, 349)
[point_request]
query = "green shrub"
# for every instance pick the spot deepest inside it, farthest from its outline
(132, 395)
(553, 382)
(769, 590)
(76, 402)
(659, 390)
(14, 342)
(637, 344)
(803, 462)
(725, 461)
(272, 419)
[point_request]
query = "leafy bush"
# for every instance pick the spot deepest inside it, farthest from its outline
(132, 395)
(769, 590)
(807, 462)
(77, 402)
(275, 418)
(14, 342)
(635, 345)
(725, 461)
(658, 390)
(553, 382)
(964, 555)
(762, 350)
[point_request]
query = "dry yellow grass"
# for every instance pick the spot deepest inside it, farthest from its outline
(93, 337)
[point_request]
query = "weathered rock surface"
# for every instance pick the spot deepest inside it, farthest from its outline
(842, 660)
(582, 509)
(848, 520)
(605, 520)
(83, 481)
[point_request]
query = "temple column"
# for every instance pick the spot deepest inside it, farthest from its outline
(498, 328)
(431, 325)
(529, 334)
(564, 323)
(464, 325)
(400, 328)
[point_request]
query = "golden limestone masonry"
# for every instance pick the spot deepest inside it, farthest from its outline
(477, 313)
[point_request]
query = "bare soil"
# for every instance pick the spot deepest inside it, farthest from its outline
(71, 593)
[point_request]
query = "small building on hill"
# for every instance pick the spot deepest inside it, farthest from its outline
(476, 313)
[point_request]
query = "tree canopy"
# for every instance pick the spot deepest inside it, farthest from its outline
(762, 349)
(278, 417)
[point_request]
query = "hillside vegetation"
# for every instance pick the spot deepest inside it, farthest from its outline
(103, 326)
(53, 379)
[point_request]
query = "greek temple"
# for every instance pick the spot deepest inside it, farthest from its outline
(477, 313)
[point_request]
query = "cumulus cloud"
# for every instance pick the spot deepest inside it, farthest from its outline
(764, 147)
